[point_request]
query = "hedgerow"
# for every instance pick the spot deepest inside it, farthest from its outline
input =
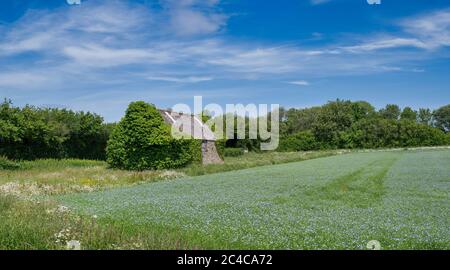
(30, 133)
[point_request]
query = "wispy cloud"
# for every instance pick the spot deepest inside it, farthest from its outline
(94, 55)
(190, 79)
(428, 32)
(24, 80)
(319, 2)
(194, 17)
(301, 83)
(113, 45)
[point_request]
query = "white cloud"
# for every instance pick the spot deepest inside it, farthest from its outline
(319, 2)
(194, 17)
(428, 32)
(301, 83)
(190, 79)
(23, 80)
(387, 43)
(100, 42)
(187, 22)
(94, 55)
(433, 29)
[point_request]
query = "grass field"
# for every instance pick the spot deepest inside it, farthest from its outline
(400, 198)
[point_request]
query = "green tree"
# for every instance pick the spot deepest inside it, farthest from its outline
(31, 132)
(425, 116)
(334, 119)
(442, 118)
(408, 114)
(301, 141)
(142, 140)
(391, 111)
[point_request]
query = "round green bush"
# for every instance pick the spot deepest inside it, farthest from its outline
(301, 141)
(142, 140)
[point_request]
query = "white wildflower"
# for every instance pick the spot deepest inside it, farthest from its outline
(63, 209)
(73, 245)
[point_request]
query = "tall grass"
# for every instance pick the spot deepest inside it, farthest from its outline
(41, 225)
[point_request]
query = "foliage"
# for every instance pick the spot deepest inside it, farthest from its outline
(346, 124)
(220, 147)
(233, 152)
(6, 164)
(408, 114)
(142, 140)
(391, 111)
(425, 116)
(301, 141)
(376, 133)
(30, 133)
(297, 120)
(335, 118)
(442, 118)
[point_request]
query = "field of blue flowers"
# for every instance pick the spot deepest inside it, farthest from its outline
(400, 199)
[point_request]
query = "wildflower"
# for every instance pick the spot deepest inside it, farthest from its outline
(63, 209)
(73, 245)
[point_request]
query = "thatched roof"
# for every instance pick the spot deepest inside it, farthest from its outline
(190, 125)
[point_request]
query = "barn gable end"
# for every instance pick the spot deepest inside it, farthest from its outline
(198, 131)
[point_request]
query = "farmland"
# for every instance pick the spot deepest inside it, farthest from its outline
(399, 198)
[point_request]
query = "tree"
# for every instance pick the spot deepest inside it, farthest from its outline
(142, 140)
(31, 132)
(301, 141)
(296, 120)
(391, 111)
(332, 122)
(408, 114)
(442, 118)
(425, 116)
(362, 109)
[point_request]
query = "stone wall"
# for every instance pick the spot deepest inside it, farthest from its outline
(209, 153)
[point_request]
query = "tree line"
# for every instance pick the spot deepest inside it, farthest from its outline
(347, 124)
(31, 132)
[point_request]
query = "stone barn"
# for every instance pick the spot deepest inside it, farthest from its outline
(193, 126)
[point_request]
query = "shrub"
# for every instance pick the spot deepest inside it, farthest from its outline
(233, 152)
(220, 146)
(375, 133)
(142, 140)
(30, 133)
(301, 141)
(6, 164)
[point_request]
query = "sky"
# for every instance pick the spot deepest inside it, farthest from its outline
(100, 55)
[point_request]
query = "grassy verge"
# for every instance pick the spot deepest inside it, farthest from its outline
(42, 225)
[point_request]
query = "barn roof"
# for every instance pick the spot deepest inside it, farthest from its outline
(190, 125)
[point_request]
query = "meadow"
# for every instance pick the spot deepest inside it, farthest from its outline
(319, 200)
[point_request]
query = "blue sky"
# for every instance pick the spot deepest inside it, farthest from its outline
(100, 55)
